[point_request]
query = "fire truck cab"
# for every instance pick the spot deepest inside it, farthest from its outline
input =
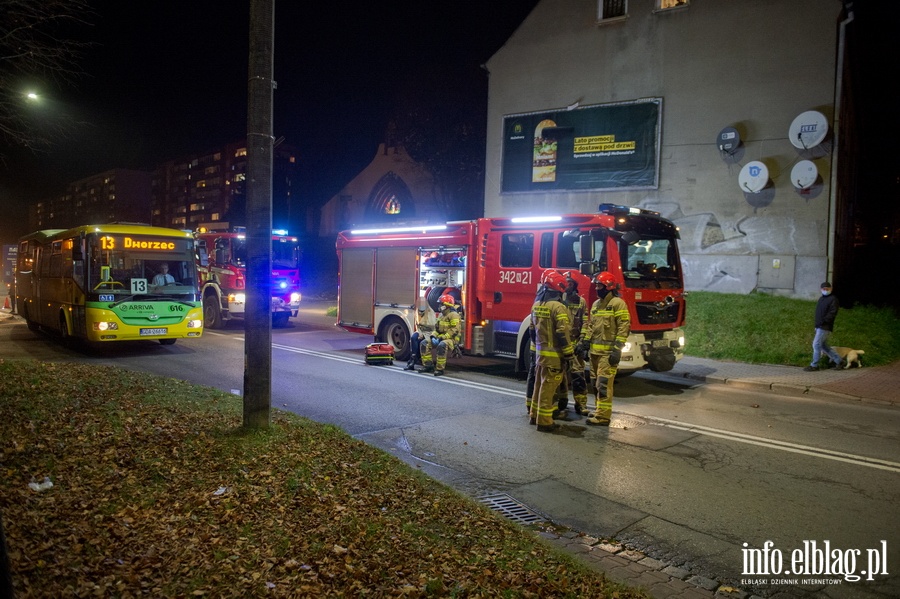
(493, 267)
(222, 267)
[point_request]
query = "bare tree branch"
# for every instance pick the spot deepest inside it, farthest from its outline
(36, 49)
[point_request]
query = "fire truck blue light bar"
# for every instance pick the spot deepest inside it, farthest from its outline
(398, 230)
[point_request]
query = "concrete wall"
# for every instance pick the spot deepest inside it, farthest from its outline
(749, 64)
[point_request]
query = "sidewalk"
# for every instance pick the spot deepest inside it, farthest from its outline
(878, 384)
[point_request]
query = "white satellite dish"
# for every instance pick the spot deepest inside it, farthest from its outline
(804, 174)
(808, 130)
(753, 177)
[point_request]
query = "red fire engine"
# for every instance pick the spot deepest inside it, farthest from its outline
(223, 275)
(494, 265)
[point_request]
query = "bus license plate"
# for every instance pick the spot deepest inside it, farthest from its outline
(154, 331)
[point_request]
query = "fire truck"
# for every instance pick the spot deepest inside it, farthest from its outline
(493, 267)
(222, 267)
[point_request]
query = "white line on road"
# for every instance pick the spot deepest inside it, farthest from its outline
(694, 428)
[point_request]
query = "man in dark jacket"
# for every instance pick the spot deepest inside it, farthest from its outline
(826, 312)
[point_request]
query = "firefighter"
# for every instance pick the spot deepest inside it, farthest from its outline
(574, 379)
(425, 321)
(553, 345)
(445, 336)
(606, 328)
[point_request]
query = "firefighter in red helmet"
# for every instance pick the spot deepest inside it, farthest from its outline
(574, 380)
(553, 347)
(445, 337)
(606, 328)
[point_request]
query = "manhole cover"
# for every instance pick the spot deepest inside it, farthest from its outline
(625, 422)
(510, 508)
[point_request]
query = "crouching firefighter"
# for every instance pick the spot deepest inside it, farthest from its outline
(606, 328)
(445, 336)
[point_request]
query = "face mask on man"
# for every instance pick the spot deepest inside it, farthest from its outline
(826, 292)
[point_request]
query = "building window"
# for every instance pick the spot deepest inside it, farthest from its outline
(240, 152)
(612, 9)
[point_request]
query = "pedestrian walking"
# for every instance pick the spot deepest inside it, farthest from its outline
(606, 328)
(553, 348)
(826, 311)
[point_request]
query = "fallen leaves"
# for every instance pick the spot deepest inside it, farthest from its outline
(156, 491)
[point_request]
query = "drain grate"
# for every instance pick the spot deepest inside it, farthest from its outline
(510, 508)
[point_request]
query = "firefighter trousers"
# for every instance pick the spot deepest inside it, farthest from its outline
(606, 377)
(546, 381)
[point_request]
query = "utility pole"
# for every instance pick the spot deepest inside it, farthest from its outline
(258, 319)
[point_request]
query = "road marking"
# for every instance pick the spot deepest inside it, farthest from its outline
(775, 444)
(817, 452)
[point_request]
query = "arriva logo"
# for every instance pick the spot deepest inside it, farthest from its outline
(136, 308)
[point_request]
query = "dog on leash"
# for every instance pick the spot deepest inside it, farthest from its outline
(849, 356)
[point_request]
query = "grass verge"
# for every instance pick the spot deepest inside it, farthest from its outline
(765, 329)
(156, 491)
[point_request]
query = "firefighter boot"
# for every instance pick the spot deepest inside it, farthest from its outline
(410, 364)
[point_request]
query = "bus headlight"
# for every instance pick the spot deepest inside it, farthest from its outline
(195, 324)
(106, 326)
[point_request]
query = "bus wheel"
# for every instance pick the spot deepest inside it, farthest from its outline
(394, 331)
(212, 314)
(68, 340)
(167, 341)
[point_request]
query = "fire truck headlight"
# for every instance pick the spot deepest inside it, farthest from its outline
(295, 297)
(627, 348)
(195, 324)
(237, 298)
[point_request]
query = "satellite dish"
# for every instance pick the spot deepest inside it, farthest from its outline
(729, 139)
(804, 174)
(753, 177)
(808, 130)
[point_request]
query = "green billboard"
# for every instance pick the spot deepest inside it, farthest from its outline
(604, 146)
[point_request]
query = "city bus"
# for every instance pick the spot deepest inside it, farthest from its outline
(102, 283)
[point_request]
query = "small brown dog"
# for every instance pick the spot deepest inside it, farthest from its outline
(850, 357)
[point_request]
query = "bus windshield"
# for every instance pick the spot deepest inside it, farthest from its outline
(651, 262)
(132, 264)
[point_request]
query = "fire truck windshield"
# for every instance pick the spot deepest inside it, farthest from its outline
(651, 262)
(285, 253)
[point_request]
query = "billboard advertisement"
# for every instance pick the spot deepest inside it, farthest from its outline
(603, 146)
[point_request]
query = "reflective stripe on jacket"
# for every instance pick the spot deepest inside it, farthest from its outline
(448, 326)
(553, 342)
(607, 324)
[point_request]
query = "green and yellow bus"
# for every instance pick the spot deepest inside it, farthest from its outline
(102, 283)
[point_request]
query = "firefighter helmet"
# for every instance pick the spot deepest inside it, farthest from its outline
(553, 280)
(606, 279)
(570, 280)
(447, 300)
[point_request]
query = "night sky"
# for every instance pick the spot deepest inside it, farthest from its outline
(168, 78)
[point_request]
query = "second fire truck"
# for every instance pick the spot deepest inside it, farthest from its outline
(223, 275)
(493, 267)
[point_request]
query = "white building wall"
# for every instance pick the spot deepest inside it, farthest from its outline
(750, 64)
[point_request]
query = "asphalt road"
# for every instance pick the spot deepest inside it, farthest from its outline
(686, 473)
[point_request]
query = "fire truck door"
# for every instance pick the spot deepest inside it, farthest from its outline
(396, 279)
(357, 287)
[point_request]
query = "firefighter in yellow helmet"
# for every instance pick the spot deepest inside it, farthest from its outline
(553, 348)
(574, 379)
(445, 336)
(606, 328)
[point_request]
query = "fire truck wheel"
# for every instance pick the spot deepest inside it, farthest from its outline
(212, 315)
(280, 320)
(394, 331)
